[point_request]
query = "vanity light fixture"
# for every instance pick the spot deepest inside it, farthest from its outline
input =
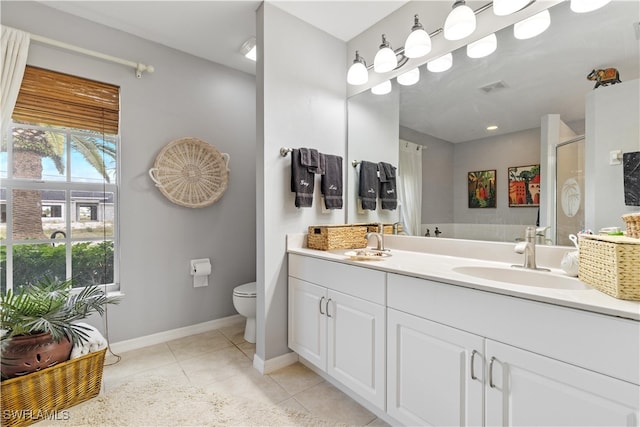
(409, 78)
(582, 6)
(382, 89)
(492, 127)
(358, 74)
(385, 60)
(460, 23)
(507, 7)
(483, 47)
(418, 44)
(443, 63)
(532, 26)
(249, 50)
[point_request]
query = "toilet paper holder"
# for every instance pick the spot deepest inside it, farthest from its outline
(200, 270)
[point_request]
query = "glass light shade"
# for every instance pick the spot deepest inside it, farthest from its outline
(483, 47)
(385, 60)
(507, 7)
(440, 64)
(460, 23)
(357, 74)
(418, 44)
(532, 26)
(382, 89)
(409, 78)
(582, 6)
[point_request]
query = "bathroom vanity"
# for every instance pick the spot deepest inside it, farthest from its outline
(429, 337)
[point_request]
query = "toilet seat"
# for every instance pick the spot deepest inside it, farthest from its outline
(248, 290)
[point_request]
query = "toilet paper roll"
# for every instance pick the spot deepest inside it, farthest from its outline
(202, 268)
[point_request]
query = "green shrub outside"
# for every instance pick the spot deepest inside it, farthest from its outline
(91, 263)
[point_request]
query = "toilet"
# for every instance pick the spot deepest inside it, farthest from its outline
(244, 300)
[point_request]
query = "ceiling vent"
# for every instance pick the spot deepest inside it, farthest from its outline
(492, 87)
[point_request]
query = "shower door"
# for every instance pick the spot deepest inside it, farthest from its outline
(569, 190)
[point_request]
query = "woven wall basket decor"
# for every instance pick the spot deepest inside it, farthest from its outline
(191, 173)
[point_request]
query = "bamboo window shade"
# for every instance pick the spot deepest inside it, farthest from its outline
(63, 100)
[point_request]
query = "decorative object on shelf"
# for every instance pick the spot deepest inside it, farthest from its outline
(611, 264)
(524, 186)
(604, 77)
(482, 189)
(191, 173)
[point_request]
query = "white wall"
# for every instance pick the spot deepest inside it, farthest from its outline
(186, 96)
(373, 137)
(612, 123)
(301, 97)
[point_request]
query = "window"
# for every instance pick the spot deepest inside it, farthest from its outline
(59, 190)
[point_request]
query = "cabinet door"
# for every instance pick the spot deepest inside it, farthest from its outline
(431, 380)
(524, 388)
(356, 345)
(307, 321)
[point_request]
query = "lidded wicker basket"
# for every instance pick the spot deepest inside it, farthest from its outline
(191, 173)
(632, 221)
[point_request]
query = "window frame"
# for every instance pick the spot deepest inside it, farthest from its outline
(9, 183)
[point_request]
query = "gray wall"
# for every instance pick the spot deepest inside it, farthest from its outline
(499, 153)
(186, 96)
(612, 123)
(437, 176)
(301, 103)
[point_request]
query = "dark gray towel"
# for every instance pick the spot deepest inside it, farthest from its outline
(331, 182)
(388, 193)
(368, 184)
(301, 181)
(313, 159)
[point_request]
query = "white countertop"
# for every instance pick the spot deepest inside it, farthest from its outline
(441, 267)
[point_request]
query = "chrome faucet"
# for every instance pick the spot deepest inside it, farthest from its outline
(396, 226)
(379, 236)
(528, 248)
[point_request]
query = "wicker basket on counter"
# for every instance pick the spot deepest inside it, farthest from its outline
(341, 236)
(632, 221)
(611, 264)
(44, 394)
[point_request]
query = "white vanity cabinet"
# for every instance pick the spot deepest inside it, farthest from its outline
(524, 388)
(337, 322)
(458, 356)
(435, 373)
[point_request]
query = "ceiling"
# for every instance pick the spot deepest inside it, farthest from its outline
(215, 30)
(543, 75)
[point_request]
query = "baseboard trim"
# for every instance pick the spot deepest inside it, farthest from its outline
(160, 337)
(267, 366)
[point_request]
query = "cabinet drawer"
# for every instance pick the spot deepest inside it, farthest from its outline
(605, 344)
(360, 282)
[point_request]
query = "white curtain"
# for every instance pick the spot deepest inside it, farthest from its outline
(15, 47)
(410, 186)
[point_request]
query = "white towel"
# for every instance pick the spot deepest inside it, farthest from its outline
(94, 342)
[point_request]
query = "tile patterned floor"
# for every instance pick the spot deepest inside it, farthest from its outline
(222, 361)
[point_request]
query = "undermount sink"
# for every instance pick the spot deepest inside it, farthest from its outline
(520, 276)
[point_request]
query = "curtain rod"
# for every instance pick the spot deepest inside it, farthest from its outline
(139, 67)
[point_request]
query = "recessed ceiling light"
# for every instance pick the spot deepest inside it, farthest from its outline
(492, 127)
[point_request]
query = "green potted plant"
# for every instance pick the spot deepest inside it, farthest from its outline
(39, 326)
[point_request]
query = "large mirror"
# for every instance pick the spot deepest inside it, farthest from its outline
(524, 88)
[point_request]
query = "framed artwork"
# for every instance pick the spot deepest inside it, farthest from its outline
(482, 189)
(524, 186)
